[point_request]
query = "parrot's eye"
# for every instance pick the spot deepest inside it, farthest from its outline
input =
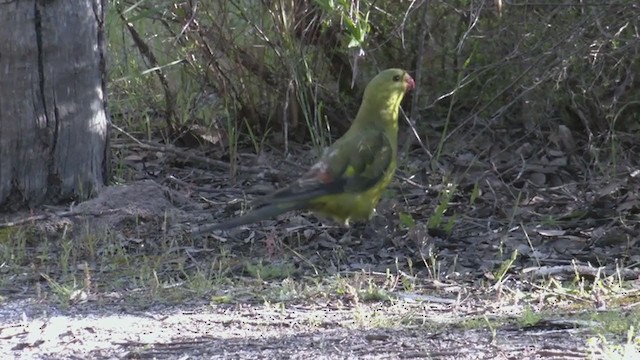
(396, 78)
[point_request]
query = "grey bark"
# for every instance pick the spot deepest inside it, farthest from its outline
(53, 121)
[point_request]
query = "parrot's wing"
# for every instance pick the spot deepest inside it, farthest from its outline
(352, 165)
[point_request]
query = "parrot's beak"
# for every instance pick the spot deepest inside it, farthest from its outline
(410, 83)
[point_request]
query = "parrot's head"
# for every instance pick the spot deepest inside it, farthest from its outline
(388, 88)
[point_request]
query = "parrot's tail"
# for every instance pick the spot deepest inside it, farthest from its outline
(261, 213)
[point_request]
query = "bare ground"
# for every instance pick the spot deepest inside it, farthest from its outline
(262, 332)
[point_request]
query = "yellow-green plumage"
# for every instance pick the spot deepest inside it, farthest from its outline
(348, 180)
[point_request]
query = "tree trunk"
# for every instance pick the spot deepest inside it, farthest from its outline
(53, 123)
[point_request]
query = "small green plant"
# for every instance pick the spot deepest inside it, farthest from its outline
(438, 220)
(504, 267)
(311, 108)
(529, 317)
(199, 283)
(341, 286)
(374, 292)
(408, 281)
(287, 290)
(258, 143)
(480, 322)
(13, 245)
(366, 317)
(431, 263)
(264, 271)
(354, 19)
(221, 299)
(600, 347)
(89, 243)
(474, 193)
(233, 135)
(67, 255)
(406, 220)
(65, 294)
(491, 328)
(616, 322)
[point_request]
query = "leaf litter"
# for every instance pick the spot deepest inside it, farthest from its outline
(520, 219)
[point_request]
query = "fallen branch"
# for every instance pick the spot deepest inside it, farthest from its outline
(188, 156)
(584, 270)
(61, 214)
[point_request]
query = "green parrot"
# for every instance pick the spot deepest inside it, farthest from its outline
(348, 180)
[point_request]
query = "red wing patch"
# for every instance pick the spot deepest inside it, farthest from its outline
(318, 172)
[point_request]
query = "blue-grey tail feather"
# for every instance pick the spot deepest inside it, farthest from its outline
(261, 213)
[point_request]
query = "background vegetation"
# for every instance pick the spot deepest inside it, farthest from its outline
(256, 73)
